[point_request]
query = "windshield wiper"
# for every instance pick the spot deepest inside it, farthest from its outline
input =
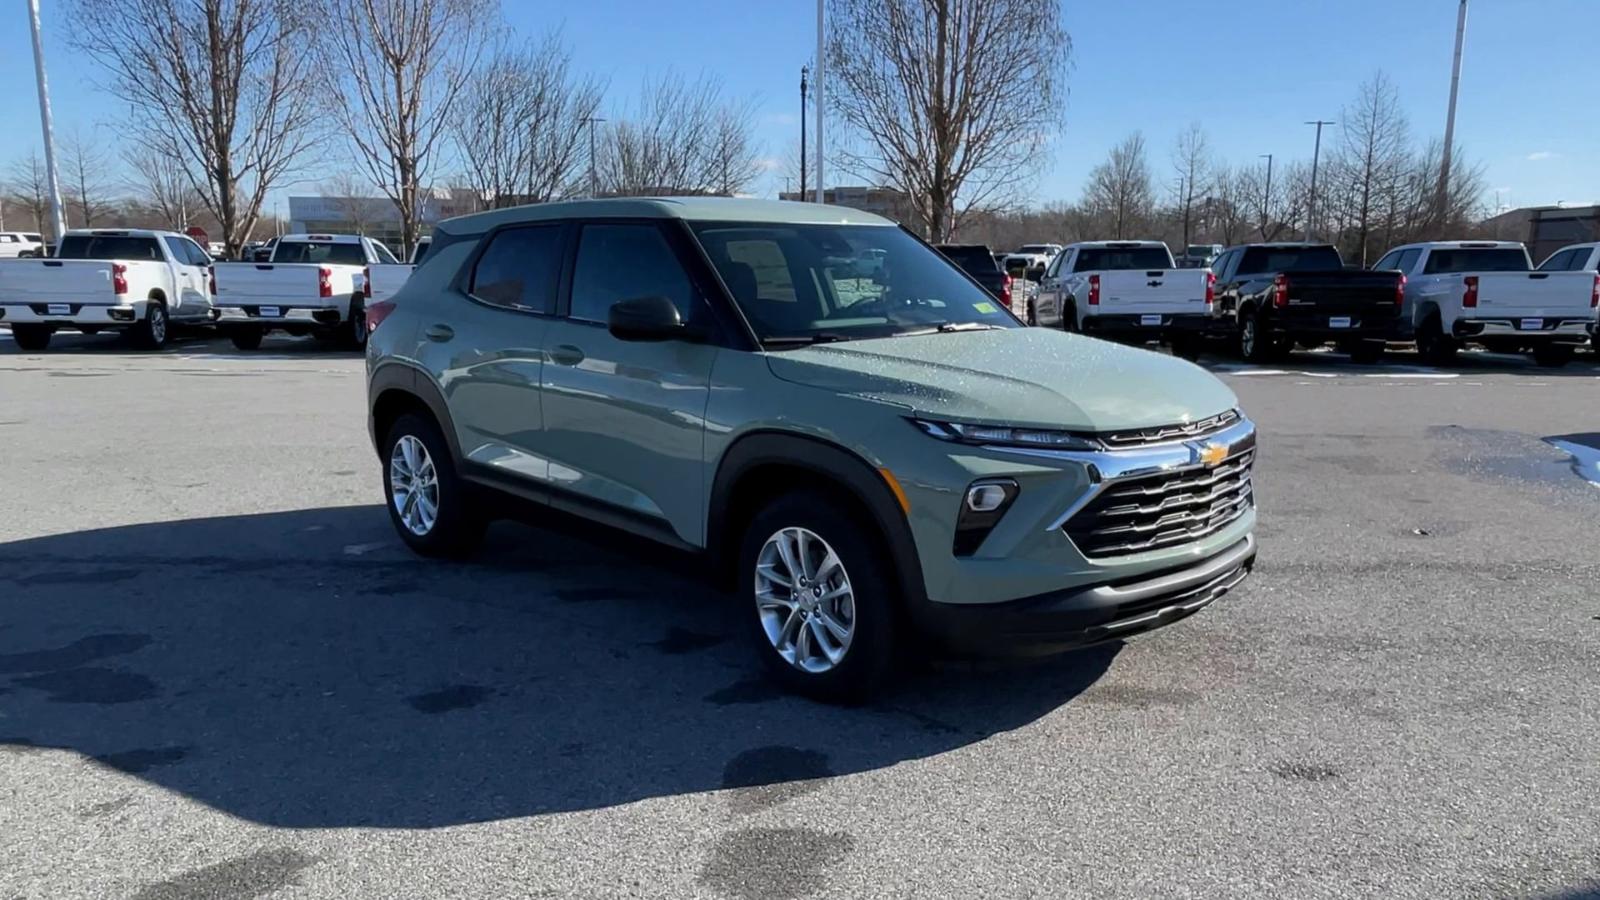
(949, 327)
(804, 340)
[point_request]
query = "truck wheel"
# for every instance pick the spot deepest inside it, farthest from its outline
(1069, 318)
(1433, 345)
(1255, 345)
(32, 337)
(247, 338)
(821, 600)
(355, 328)
(432, 509)
(151, 331)
(1554, 356)
(1033, 314)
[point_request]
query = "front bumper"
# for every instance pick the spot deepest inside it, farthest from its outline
(287, 315)
(1561, 329)
(1152, 325)
(99, 315)
(1092, 613)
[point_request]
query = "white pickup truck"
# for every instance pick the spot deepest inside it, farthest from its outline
(1486, 293)
(1579, 258)
(15, 244)
(313, 284)
(106, 279)
(384, 280)
(1130, 290)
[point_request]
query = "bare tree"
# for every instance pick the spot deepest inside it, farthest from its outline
(87, 170)
(353, 198)
(1120, 192)
(682, 137)
(733, 159)
(28, 186)
(520, 125)
(159, 184)
(950, 101)
(400, 67)
(224, 86)
(1373, 153)
(1191, 165)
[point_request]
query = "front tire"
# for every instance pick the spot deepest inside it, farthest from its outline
(430, 506)
(821, 598)
(32, 337)
(151, 331)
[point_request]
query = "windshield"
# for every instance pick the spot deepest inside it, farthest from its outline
(1200, 250)
(109, 246)
(972, 257)
(319, 252)
(1038, 249)
(1317, 258)
(816, 283)
(1102, 259)
(1477, 259)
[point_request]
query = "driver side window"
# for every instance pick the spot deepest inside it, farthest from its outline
(626, 262)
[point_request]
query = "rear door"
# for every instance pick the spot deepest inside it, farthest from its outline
(624, 420)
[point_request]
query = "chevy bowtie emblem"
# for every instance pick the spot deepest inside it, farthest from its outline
(1212, 455)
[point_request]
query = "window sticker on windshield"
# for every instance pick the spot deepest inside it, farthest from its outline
(985, 307)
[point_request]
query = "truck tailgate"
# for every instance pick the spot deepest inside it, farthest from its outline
(277, 284)
(1345, 292)
(385, 279)
(1534, 294)
(1170, 291)
(58, 281)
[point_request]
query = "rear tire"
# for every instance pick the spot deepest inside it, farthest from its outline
(247, 338)
(1069, 318)
(437, 514)
(1554, 356)
(151, 331)
(32, 337)
(1255, 345)
(1433, 345)
(871, 613)
(355, 328)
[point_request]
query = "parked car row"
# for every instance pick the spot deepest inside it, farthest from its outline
(146, 281)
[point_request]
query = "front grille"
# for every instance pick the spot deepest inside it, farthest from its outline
(1139, 437)
(1162, 510)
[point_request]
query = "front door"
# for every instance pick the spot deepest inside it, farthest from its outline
(190, 280)
(624, 420)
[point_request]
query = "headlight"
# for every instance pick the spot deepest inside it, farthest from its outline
(1005, 436)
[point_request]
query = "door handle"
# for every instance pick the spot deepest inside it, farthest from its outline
(439, 333)
(566, 355)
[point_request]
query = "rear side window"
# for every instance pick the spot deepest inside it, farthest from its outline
(626, 262)
(1559, 262)
(384, 256)
(518, 269)
(319, 252)
(1476, 259)
(110, 246)
(1102, 259)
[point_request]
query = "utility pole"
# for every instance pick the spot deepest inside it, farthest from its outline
(1442, 200)
(820, 144)
(593, 184)
(1316, 157)
(57, 220)
(804, 163)
(1266, 196)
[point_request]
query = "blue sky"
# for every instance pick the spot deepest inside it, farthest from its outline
(1250, 71)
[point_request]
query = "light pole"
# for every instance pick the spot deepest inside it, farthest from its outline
(593, 189)
(1443, 198)
(1266, 195)
(804, 163)
(57, 220)
(820, 145)
(1316, 156)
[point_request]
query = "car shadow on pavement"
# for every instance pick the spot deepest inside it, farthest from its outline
(301, 669)
(185, 342)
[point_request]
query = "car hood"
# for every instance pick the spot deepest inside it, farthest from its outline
(1016, 376)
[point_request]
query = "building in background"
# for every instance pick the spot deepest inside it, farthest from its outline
(880, 201)
(1545, 229)
(376, 217)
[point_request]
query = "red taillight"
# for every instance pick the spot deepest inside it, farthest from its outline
(1211, 289)
(1280, 291)
(1005, 290)
(366, 282)
(324, 282)
(377, 312)
(1469, 297)
(119, 279)
(1400, 291)
(1094, 290)
(1594, 295)
(211, 276)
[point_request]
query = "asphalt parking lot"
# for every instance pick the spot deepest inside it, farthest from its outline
(221, 675)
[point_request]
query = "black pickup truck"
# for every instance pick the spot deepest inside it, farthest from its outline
(977, 260)
(1270, 297)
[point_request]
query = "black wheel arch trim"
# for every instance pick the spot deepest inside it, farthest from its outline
(402, 377)
(829, 460)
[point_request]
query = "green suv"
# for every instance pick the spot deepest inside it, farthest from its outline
(862, 442)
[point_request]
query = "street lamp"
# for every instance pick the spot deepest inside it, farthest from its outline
(1266, 195)
(1316, 155)
(803, 163)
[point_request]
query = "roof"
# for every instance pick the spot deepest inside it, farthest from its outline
(1094, 244)
(699, 209)
(122, 232)
(1457, 245)
(323, 236)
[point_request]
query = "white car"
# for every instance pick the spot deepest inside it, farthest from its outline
(1487, 293)
(313, 284)
(1130, 290)
(108, 280)
(15, 244)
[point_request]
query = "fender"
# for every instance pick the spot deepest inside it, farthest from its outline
(401, 377)
(843, 467)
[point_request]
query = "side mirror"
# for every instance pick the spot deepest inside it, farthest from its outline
(646, 319)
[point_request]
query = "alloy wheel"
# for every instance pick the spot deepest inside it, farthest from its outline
(414, 485)
(805, 601)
